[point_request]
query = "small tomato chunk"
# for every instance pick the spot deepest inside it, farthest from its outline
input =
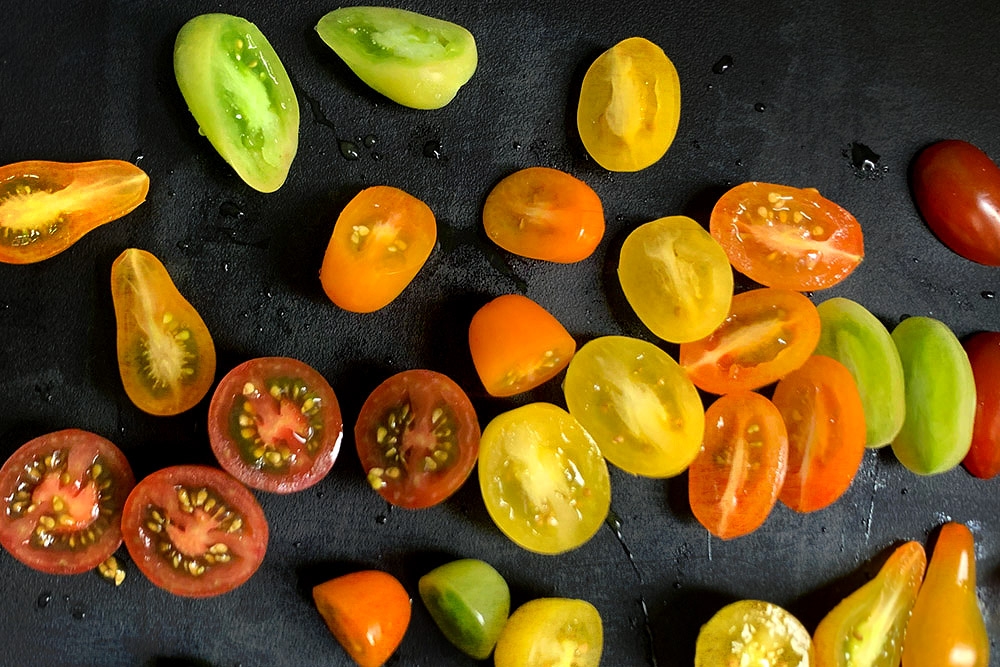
(552, 631)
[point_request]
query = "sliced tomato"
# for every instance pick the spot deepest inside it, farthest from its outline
(983, 459)
(754, 633)
(418, 438)
(549, 632)
(275, 424)
(62, 496)
(166, 356)
(734, 481)
(787, 237)
(517, 345)
(825, 418)
(380, 242)
(194, 531)
(45, 207)
(768, 333)
(544, 213)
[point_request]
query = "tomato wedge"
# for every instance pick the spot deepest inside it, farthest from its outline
(275, 424)
(45, 207)
(983, 459)
(62, 496)
(787, 237)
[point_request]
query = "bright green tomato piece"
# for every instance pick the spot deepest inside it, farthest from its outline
(415, 60)
(853, 336)
(940, 397)
(241, 96)
(469, 601)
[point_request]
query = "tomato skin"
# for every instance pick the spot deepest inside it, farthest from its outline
(56, 516)
(787, 237)
(768, 333)
(166, 356)
(380, 242)
(546, 214)
(983, 459)
(866, 628)
(240, 95)
(517, 345)
(734, 481)
(367, 611)
(753, 633)
(957, 189)
(552, 631)
(45, 207)
(957, 638)
(630, 106)
(417, 436)
(274, 423)
(415, 60)
(677, 278)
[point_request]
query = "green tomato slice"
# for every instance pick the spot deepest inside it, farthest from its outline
(415, 60)
(853, 336)
(940, 397)
(469, 601)
(238, 91)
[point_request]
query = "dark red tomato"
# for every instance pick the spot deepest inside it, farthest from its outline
(62, 497)
(733, 482)
(957, 189)
(983, 459)
(418, 438)
(275, 424)
(194, 531)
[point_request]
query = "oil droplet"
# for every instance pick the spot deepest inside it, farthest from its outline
(723, 64)
(759, 107)
(349, 150)
(230, 209)
(988, 294)
(370, 141)
(433, 149)
(44, 599)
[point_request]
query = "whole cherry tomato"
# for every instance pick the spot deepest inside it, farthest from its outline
(983, 459)
(957, 188)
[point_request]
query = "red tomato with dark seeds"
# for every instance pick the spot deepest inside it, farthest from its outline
(275, 424)
(983, 459)
(418, 438)
(194, 531)
(62, 496)
(957, 189)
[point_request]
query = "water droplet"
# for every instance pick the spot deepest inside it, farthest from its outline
(739, 163)
(79, 613)
(433, 149)
(230, 209)
(822, 529)
(349, 150)
(695, 144)
(370, 141)
(44, 599)
(225, 267)
(376, 156)
(170, 193)
(297, 545)
(723, 64)
(619, 218)
(988, 294)
(381, 519)
(66, 598)
(709, 87)
(517, 145)
(320, 494)
(677, 585)
(759, 107)
(903, 491)
(864, 160)
(183, 245)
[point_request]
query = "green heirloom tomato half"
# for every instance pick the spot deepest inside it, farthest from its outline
(857, 339)
(469, 601)
(940, 397)
(241, 96)
(415, 60)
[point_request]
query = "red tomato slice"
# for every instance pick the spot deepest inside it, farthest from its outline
(983, 459)
(45, 207)
(733, 482)
(194, 531)
(418, 438)
(275, 424)
(825, 418)
(768, 333)
(62, 497)
(786, 237)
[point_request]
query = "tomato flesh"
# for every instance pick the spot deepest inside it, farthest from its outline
(753, 633)
(552, 631)
(275, 424)
(62, 496)
(166, 356)
(45, 207)
(787, 237)
(983, 459)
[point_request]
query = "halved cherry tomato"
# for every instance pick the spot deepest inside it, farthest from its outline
(166, 356)
(274, 424)
(957, 189)
(753, 633)
(552, 631)
(45, 207)
(983, 459)
(240, 96)
(630, 106)
(866, 628)
(543, 479)
(418, 438)
(957, 637)
(768, 333)
(367, 611)
(517, 345)
(194, 531)
(544, 213)
(380, 242)
(62, 496)
(787, 237)
(734, 481)
(825, 419)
